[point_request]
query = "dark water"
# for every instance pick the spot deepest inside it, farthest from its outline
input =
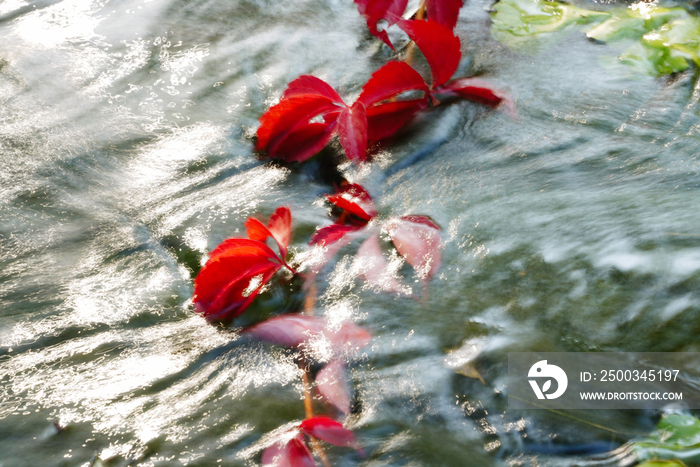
(126, 155)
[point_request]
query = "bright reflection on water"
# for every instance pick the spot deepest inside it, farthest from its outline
(125, 134)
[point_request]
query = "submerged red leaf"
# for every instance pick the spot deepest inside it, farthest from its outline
(288, 330)
(417, 239)
(389, 81)
(352, 131)
(279, 227)
(332, 385)
(298, 331)
(444, 12)
(232, 278)
(354, 199)
(326, 236)
(293, 453)
(373, 266)
(328, 430)
(440, 47)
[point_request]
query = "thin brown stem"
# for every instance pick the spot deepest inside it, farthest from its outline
(309, 410)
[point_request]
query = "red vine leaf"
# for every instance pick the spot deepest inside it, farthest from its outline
(440, 47)
(377, 10)
(352, 131)
(332, 385)
(293, 453)
(304, 142)
(279, 227)
(328, 430)
(288, 115)
(232, 277)
(386, 119)
(310, 85)
(480, 91)
(354, 199)
(389, 81)
(326, 236)
(444, 12)
(417, 239)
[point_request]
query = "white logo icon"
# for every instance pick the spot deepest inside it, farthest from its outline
(542, 370)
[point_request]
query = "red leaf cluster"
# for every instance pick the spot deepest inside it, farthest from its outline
(310, 112)
(238, 268)
(416, 238)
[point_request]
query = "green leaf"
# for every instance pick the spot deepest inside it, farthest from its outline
(676, 437)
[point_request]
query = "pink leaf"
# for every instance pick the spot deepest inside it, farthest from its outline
(278, 227)
(332, 384)
(310, 85)
(417, 239)
(389, 81)
(377, 10)
(328, 430)
(331, 234)
(386, 119)
(293, 453)
(297, 331)
(349, 338)
(440, 47)
(374, 266)
(225, 286)
(444, 12)
(480, 91)
(288, 330)
(352, 131)
(288, 115)
(354, 199)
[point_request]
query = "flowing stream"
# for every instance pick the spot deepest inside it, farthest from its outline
(126, 154)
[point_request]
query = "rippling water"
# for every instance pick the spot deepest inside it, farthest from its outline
(126, 155)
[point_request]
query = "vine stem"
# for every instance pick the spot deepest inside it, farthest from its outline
(420, 14)
(309, 306)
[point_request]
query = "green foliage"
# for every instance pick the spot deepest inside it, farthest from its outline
(676, 437)
(658, 41)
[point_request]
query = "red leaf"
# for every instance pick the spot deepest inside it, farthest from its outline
(417, 239)
(332, 384)
(354, 199)
(331, 234)
(223, 288)
(329, 240)
(389, 81)
(480, 91)
(310, 85)
(386, 119)
(287, 116)
(328, 430)
(288, 330)
(444, 12)
(304, 142)
(440, 47)
(293, 453)
(278, 227)
(371, 257)
(376, 10)
(352, 131)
